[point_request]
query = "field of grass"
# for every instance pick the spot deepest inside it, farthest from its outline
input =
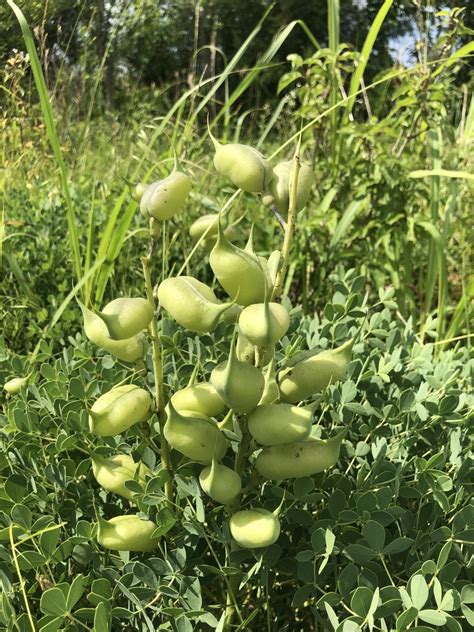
(379, 538)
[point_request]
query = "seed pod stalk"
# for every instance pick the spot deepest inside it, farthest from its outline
(158, 373)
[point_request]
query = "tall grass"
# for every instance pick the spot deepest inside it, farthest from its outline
(181, 121)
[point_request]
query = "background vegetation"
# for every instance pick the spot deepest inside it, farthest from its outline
(387, 236)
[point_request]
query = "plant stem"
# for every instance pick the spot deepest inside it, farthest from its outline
(158, 373)
(234, 580)
(289, 228)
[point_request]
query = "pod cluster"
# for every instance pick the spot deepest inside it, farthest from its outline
(245, 392)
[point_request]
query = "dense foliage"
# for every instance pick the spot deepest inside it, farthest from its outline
(381, 254)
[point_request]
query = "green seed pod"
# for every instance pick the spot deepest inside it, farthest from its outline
(254, 528)
(301, 458)
(280, 423)
(238, 271)
(14, 385)
(165, 198)
(127, 533)
(119, 409)
(246, 352)
(264, 323)
(310, 372)
(111, 473)
(239, 384)
(201, 397)
(191, 303)
(138, 191)
(126, 317)
(220, 483)
(245, 166)
(205, 224)
(231, 316)
(198, 439)
(280, 186)
(271, 392)
(274, 262)
(129, 350)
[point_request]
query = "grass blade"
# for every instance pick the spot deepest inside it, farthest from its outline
(441, 173)
(435, 144)
(364, 56)
(347, 218)
(333, 37)
(52, 134)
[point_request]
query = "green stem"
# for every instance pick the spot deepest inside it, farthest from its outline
(158, 372)
(289, 228)
(234, 580)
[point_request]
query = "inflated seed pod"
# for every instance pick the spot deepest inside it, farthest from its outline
(126, 317)
(275, 424)
(15, 385)
(254, 528)
(310, 372)
(245, 166)
(231, 315)
(246, 352)
(127, 533)
(198, 439)
(205, 224)
(191, 303)
(271, 392)
(138, 191)
(280, 186)
(112, 472)
(263, 324)
(119, 409)
(300, 458)
(239, 272)
(220, 483)
(273, 266)
(129, 350)
(239, 384)
(165, 198)
(201, 397)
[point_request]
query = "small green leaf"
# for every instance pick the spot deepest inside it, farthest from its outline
(374, 533)
(53, 602)
(467, 593)
(361, 601)
(407, 617)
(332, 616)
(432, 616)
(468, 613)
(76, 591)
(419, 591)
(359, 553)
(398, 546)
(102, 620)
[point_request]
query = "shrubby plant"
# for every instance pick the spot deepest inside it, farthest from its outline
(241, 407)
(275, 470)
